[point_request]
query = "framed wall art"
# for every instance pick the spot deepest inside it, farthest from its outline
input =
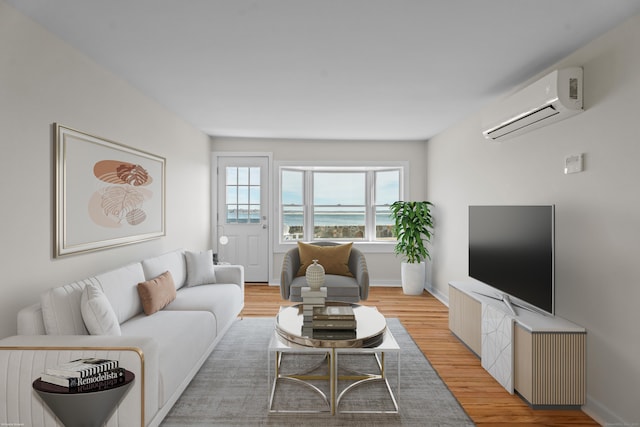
(107, 194)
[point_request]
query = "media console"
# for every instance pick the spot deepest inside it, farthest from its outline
(549, 366)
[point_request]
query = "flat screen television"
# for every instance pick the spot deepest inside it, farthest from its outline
(511, 248)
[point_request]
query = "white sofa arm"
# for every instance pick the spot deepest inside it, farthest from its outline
(230, 274)
(23, 358)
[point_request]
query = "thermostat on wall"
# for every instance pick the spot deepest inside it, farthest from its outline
(573, 163)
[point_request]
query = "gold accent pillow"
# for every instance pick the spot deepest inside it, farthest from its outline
(334, 259)
(156, 293)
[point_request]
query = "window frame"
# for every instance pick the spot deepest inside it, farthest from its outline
(370, 244)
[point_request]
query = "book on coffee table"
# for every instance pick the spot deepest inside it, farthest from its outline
(334, 334)
(333, 324)
(334, 312)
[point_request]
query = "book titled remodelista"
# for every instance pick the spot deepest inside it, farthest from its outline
(80, 368)
(97, 381)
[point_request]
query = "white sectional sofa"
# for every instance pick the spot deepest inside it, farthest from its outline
(164, 349)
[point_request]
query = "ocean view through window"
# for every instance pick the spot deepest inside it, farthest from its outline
(243, 195)
(338, 203)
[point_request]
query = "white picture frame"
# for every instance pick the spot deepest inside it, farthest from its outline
(107, 194)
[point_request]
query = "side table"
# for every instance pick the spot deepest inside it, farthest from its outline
(90, 408)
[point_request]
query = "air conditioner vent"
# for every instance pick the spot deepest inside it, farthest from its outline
(524, 121)
(554, 97)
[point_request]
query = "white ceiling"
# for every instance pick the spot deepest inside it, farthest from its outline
(326, 69)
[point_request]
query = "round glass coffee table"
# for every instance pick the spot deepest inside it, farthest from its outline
(370, 328)
(371, 337)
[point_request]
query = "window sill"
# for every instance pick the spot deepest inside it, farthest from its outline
(366, 247)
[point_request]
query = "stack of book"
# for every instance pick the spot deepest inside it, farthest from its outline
(88, 374)
(334, 322)
(311, 299)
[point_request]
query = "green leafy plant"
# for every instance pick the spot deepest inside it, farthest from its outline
(413, 227)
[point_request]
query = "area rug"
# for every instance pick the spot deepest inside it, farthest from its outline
(232, 388)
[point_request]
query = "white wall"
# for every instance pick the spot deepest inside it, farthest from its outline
(42, 81)
(597, 211)
(384, 268)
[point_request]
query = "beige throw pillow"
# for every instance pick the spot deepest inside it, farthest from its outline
(156, 293)
(334, 259)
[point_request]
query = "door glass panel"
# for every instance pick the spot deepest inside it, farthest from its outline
(243, 176)
(232, 176)
(232, 194)
(254, 214)
(232, 214)
(243, 214)
(254, 195)
(243, 195)
(254, 176)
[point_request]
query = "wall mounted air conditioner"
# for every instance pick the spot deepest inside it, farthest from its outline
(554, 97)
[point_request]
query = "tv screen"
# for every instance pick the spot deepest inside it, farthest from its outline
(511, 249)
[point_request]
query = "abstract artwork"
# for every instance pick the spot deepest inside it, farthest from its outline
(108, 194)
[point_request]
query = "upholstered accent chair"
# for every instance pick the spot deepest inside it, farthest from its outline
(351, 285)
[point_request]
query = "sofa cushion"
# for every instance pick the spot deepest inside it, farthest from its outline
(200, 270)
(121, 288)
(156, 293)
(224, 301)
(334, 259)
(61, 309)
(97, 313)
(172, 261)
(179, 352)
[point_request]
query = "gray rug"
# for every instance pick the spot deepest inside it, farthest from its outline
(232, 388)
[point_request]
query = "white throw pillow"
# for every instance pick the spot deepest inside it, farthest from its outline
(97, 313)
(61, 309)
(200, 269)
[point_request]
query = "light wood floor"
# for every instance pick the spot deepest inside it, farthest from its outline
(426, 319)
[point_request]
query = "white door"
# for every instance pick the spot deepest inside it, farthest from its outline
(243, 223)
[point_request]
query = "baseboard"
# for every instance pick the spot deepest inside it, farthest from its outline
(438, 295)
(602, 415)
(392, 284)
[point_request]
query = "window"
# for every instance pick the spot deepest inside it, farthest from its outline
(387, 191)
(243, 195)
(338, 203)
(292, 204)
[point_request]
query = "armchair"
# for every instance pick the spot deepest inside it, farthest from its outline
(339, 288)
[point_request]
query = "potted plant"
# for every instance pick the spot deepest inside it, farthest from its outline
(413, 227)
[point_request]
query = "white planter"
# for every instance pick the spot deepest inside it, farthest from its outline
(413, 277)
